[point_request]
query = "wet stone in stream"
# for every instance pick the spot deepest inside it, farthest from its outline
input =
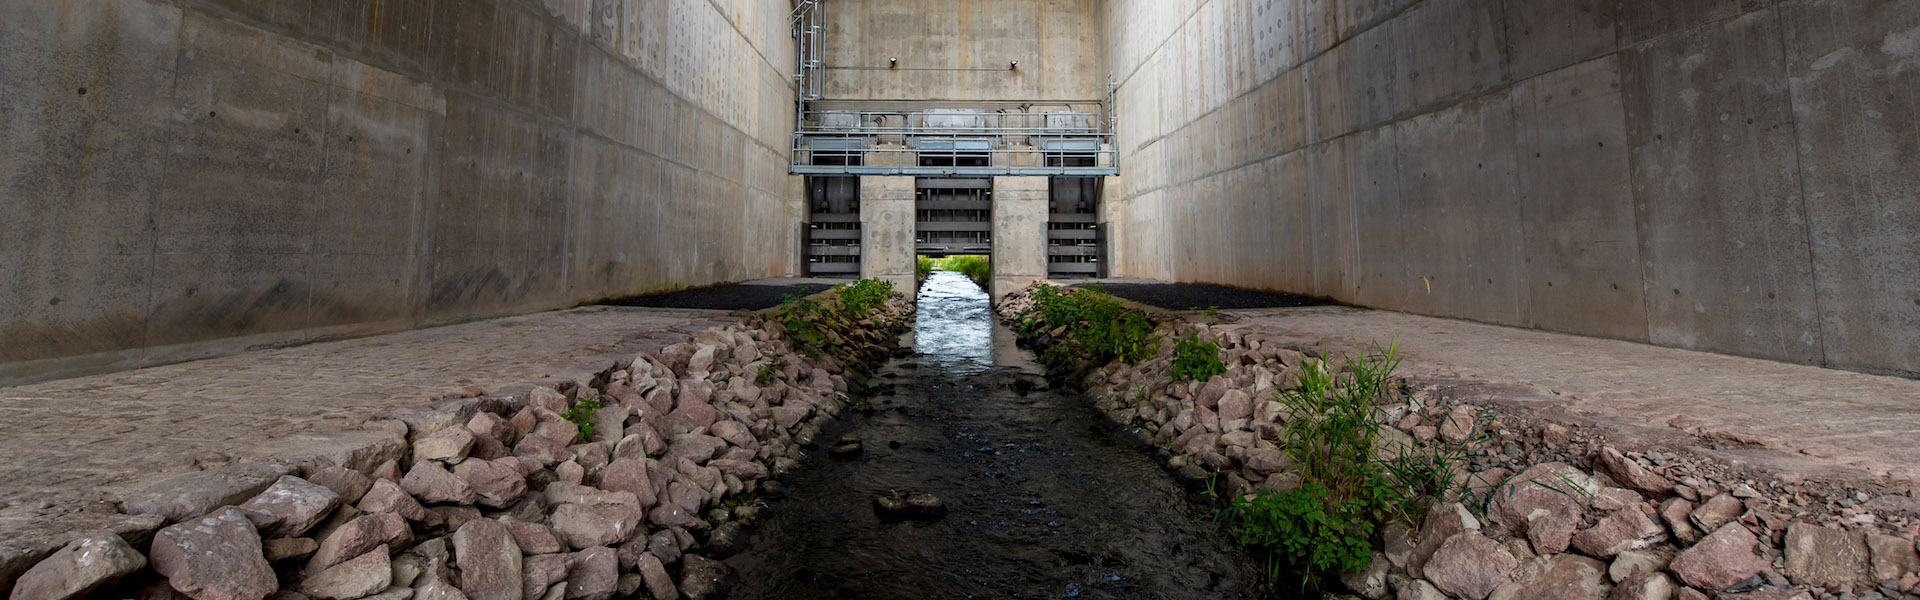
(1041, 499)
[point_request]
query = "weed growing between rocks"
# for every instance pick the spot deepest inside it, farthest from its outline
(1331, 434)
(769, 372)
(811, 323)
(860, 297)
(1194, 360)
(1087, 325)
(581, 415)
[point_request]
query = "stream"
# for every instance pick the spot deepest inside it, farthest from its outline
(1044, 500)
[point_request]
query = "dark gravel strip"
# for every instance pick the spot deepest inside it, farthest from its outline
(1185, 296)
(722, 297)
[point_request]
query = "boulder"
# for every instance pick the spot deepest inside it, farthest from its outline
(1892, 556)
(493, 426)
(631, 476)
(665, 546)
(1443, 521)
(541, 571)
(449, 445)
(1716, 511)
(1723, 558)
(215, 557)
(670, 515)
(744, 470)
(489, 561)
(1625, 471)
(1370, 582)
(431, 483)
(346, 483)
(190, 495)
(1675, 512)
(594, 575)
(78, 568)
(1645, 586)
(1633, 563)
(279, 549)
(357, 537)
(533, 538)
(455, 516)
(702, 578)
(695, 447)
(290, 507)
(1561, 577)
(1826, 556)
(568, 493)
(1469, 565)
(1420, 589)
(655, 575)
(547, 450)
(356, 578)
(1613, 498)
(387, 497)
(495, 483)
(1546, 502)
(1235, 404)
(588, 525)
(1624, 530)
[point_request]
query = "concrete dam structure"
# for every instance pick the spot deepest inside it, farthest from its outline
(189, 178)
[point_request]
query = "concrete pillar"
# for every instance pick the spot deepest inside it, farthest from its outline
(1019, 233)
(886, 231)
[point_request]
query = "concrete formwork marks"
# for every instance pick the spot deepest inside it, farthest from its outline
(198, 177)
(1718, 175)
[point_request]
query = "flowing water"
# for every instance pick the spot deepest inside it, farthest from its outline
(1044, 501)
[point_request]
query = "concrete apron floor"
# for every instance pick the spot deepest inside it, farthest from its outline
(71, 444)
(1788, 421)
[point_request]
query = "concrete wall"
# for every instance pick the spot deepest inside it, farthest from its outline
(959, 50)
(1019, 234)
(190, 177)
(887, 230)
(1720, 175)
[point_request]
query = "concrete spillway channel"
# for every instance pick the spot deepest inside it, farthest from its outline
(1043, 501)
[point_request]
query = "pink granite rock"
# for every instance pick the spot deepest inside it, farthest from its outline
(215, 557)
(78, 568)
(490, 567)
(290, 507)
(1723, 558)
(1469, 565)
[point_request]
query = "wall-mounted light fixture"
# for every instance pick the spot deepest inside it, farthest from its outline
(1013, 65)
(893, 63)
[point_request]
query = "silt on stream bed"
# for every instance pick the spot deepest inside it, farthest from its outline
(1044, 501)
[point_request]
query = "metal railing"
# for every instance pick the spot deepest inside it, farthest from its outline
(952, 141)
(810, 49)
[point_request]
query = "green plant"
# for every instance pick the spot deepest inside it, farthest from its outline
(741, 499)
(1306, 528)
(1331, 434)
(975, 267)
(769, 372)
(922, 266)
(858, 297)
(1208, 312)
(581, 415)
(1093, 326)
(799, 316)
(1194, 360)
(807, 321)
